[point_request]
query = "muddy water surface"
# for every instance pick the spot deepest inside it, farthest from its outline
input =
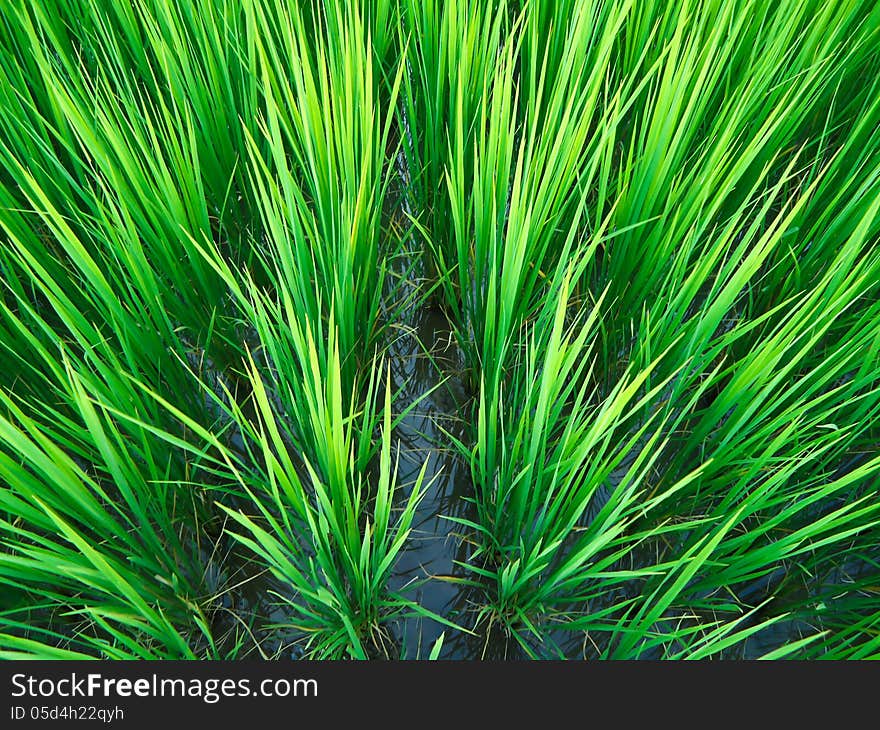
(426, 363)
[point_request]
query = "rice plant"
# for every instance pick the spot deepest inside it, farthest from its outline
(651, 228)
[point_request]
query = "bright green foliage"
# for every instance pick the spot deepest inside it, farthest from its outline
(653, 226)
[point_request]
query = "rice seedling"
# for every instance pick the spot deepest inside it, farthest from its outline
(682, 277)
(652, 227)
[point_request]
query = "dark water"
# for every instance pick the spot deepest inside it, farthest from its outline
(425, 363)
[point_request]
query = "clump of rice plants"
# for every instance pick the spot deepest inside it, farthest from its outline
(653, 229)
